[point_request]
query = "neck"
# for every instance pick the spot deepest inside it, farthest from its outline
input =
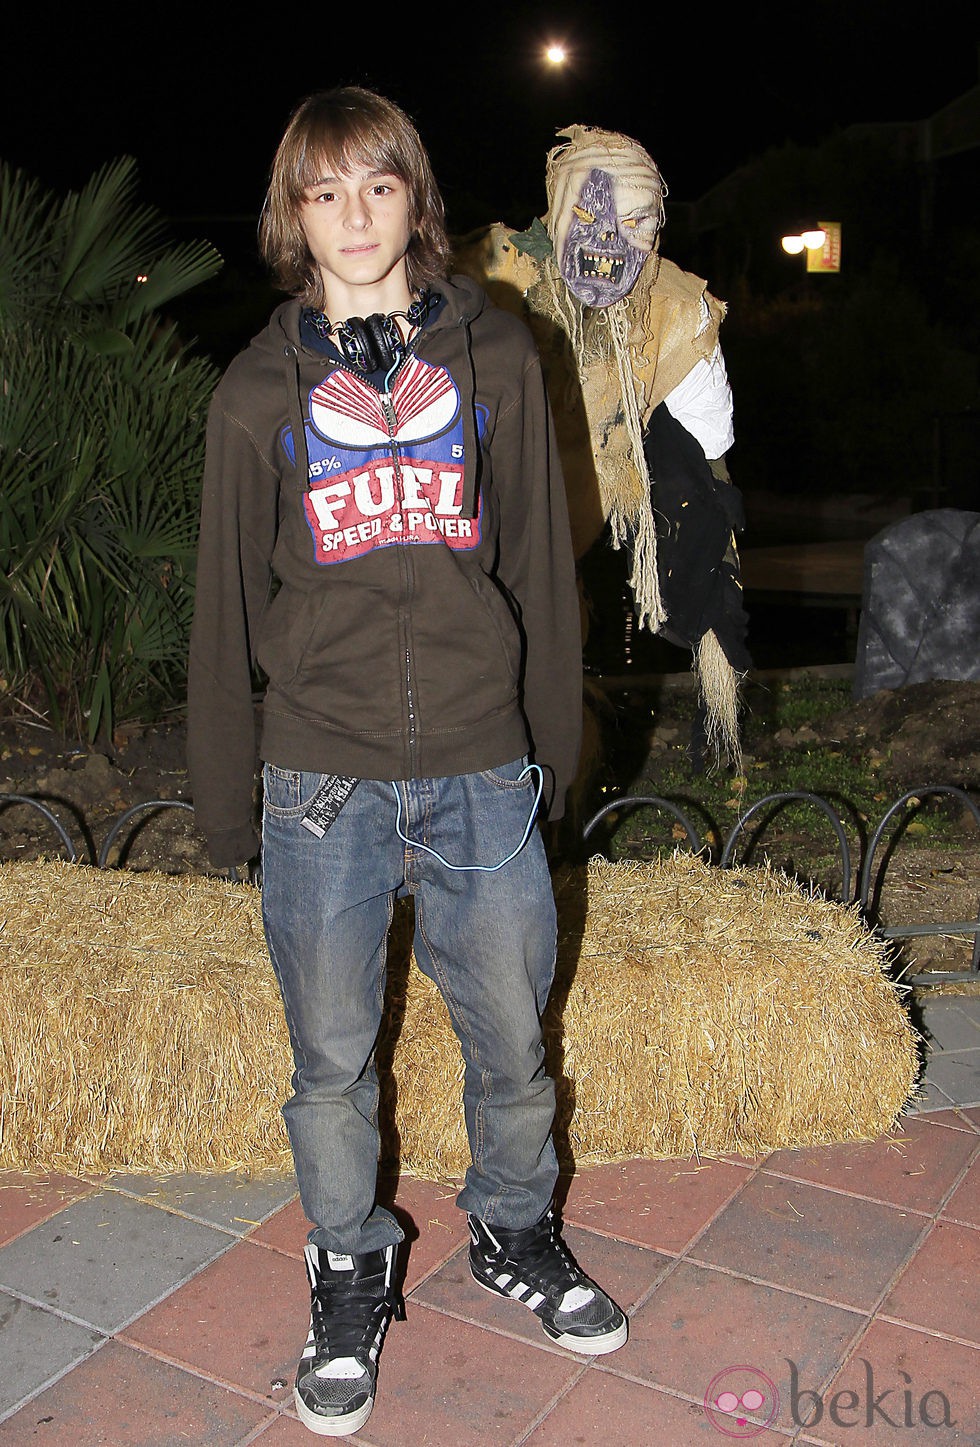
(391, 294)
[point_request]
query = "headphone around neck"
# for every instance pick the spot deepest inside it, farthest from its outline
(374, 343)
(370, 344)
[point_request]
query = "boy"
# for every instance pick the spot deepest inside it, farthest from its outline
(384, 531)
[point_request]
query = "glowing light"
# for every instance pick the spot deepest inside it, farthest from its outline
(556, 55)
(811, 240)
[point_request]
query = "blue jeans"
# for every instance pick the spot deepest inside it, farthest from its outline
(487, 940)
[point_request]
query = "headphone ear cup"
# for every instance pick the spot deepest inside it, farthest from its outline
(385, 347)
(371, 344)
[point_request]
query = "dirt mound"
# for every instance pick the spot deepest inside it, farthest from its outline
(88, 791)
(928, 733)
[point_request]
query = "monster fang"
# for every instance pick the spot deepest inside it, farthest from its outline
(610, 268)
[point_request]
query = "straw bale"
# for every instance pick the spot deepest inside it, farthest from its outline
(695, 1011)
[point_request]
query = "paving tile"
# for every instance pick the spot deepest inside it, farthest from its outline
(446, 1383)
(964, 1204)
(242, 1320)
(952, 1118)
(913, 1166)
(940, 1290)
(947, 1026)
(662, 1204)
(123, 1398)
(36, 1346)
(700, 1323)
(811, 1239)
(897, 1360)
(286, 1230)
(26, 1200)
(236, 1202)
(928, 1097)
(106, 1257)
(626, 1272)
(288, 1431)
(701, 1329)
(605, 1409)
(957, 1074)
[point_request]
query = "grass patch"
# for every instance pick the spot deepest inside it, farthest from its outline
(789, 747)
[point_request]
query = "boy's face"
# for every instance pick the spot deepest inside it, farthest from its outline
(357, 226)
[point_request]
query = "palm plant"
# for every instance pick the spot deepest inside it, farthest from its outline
(102, 413)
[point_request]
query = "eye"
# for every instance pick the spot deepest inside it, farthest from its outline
(633, 221)
(324, 196)
(382, 189)
(583, 215)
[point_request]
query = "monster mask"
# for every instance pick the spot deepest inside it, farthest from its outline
(605, 210)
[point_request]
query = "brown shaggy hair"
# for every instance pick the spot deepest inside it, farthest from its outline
(338, 130)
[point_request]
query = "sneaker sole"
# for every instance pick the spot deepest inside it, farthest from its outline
(589, 1346)
(332, 1426)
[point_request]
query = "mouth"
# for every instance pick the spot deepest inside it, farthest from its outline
(594, 265)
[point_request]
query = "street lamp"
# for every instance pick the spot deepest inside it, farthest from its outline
(821, 244)
(806, 241)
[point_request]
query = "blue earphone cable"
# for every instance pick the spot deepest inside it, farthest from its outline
(481, 868)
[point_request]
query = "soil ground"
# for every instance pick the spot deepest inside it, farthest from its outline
(926, 734)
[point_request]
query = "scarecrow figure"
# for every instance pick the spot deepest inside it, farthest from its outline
(641, 398)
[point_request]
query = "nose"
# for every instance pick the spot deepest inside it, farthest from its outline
(358, 216)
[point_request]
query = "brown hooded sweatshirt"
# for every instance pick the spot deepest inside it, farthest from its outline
(406, 586)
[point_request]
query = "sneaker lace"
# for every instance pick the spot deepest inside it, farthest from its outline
(547, 1261)
(345, 1315)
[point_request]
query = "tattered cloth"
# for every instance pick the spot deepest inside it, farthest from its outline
(663, 335)
(609, 371)
(696, 1010)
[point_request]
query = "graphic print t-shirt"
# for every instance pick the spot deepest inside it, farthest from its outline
(385, 476)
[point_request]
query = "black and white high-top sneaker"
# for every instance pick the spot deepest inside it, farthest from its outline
(536, 1268)
(353, 1299)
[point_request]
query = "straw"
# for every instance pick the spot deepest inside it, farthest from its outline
(695, 1011)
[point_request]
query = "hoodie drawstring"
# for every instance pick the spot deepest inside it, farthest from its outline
(294, 405)
(472, 452)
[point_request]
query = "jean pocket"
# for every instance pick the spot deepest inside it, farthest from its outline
(288, 792)
(515, 775)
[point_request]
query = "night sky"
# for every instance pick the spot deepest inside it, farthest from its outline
(199, 95)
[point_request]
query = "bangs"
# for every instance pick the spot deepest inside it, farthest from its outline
(337, 145)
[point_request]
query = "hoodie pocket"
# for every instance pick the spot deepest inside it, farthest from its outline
(288, 629)
(503, 622)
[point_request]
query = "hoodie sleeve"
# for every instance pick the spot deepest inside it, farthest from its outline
(537, 567)
(238, 529)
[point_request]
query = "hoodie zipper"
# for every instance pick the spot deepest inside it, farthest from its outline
(405, 562)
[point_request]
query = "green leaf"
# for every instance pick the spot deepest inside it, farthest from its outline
(535, 241)
(106, 342)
